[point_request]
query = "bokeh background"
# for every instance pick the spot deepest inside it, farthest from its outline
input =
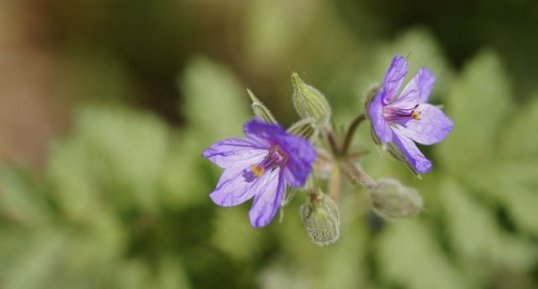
(106, 105)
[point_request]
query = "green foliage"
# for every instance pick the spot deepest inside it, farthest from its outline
(479, 102)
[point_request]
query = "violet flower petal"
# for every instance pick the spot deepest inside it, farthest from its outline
(232, 151)
(414, 156)
(381, 127)
(301, 157)
(268, 199)
(263, 133)
(232, 189)
(432, 127)
(417, 91)
(394, 78)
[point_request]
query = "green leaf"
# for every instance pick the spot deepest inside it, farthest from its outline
(37, 264)
(476, 235)
(409, 256)
(70, 176)
(229, 225)
(171, 274)
(21, 200)
(115, 152)
(215, 101)
(182, 179)
(519, 138)
(133, 274)
(479, 103)
(511, 183)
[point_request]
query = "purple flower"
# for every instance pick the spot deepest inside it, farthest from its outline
(401, 119)
(260, 166)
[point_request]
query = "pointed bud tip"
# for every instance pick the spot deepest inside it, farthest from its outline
(309, 102)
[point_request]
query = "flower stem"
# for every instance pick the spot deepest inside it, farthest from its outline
(351, 132)
(356, 173)
(335, 148)
(335, 183)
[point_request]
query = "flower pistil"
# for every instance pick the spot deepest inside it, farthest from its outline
(396, 114)
(276, 157)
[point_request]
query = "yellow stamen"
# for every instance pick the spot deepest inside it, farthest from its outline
(257, 171)
(415, 115)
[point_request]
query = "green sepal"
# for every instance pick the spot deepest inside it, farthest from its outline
(305, 128)
(260, 110)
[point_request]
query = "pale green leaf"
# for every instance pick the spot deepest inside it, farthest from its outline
(37, 264)
(409, 256)
(172, 274)
(519, 137)
(182, 181)
(20, 198)
(511, 183)
(215, 101)
(476, 235)
(479, 103)
(229, 224)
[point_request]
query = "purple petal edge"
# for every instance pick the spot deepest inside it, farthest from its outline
(394, 78)
(268, 201)
(375, 113)
(413, 155)
(417, 91)
(232, 151)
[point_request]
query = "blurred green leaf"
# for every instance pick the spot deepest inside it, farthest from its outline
(479, 103)
(171, 274)
(72, 185)
(519, 138)
(21, 200)
(133, 274)
(476, 235)
(511, 183)
(409, 256)
(216, 103)
(181, 178)
(230, 224)
(37, 264)
(115, 154)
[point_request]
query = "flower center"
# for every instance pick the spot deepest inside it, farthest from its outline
(276, 157)
(393, 114)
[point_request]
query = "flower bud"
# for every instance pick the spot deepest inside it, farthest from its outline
(260, 110)
(392, 200)
(321, 219)
(309, 102)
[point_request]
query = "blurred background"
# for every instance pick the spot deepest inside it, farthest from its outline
(106, 106)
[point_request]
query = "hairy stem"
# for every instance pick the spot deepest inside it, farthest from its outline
(356, 173)
(335, 183)
(335, 148)
(351, 132)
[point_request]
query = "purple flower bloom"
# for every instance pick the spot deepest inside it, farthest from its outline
(405, 118)
(260, 166)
